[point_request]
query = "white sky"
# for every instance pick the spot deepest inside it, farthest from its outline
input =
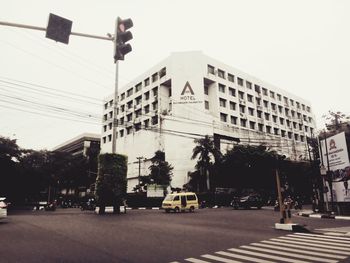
(299, 46)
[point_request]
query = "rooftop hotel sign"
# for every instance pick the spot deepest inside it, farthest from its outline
(187, 95)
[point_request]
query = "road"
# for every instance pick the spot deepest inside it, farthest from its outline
(71, 235)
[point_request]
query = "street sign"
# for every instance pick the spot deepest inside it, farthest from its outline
(59, 28)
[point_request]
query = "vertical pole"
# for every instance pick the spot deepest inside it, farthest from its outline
(323, 181)
(279, 194)
(328, 174)
(115, 107)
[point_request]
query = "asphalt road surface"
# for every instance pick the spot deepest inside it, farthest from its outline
(208, 235)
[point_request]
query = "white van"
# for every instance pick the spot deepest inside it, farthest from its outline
(180, 202)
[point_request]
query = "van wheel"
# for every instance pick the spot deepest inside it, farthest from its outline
(177, 210)
(191, 209)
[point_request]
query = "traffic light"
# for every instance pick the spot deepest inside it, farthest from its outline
(122, 36)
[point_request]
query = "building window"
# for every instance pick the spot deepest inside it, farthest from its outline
(211, 70)
(266, 103)
(146, 123)
(298, 105)
(233, 120)
(138, 113)
(249, 98)
(104, 139)
(129, 117)
(275, 130)
(259, 113)
(222, 88)
(155, 91)
(138, 100)
(129, 104)
(137, 126)
(273, 106)
(146, 81)
(110, 125)
(146, 109)
(122, 108)
(232, 92)
(287, 112)
(302, 138)
(296, 137)
(243, 122)
(289, 135)
(121, 133)
(300, 127)
(291, 102)
(110, 137)
(154, 120)
(248, 85)
(257, 88)
(260, 127)
(264, 91)
(129, 92)
(105, 117)
(121, 121)
(285, 100)
(138, 87)
(206, 90)
(279, 97)
(241, 108)
(232, 105)
(104, 128)
(162, 72)
(294, 125)
(206, 105)
(106, 105)
(274, 118)
(281, 121)
(222, 103)
(283, 133)
(240, 81)
(252, 125)
(258, 101)
(241, 94)
(110, 114)
(267, 116)
(230, 77)
(154, 77)
(155, 105)
(146, 95)
(308, 109)
(221, 73)
(223, 117)
(122, 96)
(268, 129)
(280, 109)
(128, 130)
(272, 94)
(251, 111)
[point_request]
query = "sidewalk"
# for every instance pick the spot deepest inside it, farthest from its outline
(310, 213)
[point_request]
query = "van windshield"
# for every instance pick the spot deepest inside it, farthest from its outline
(169, 198)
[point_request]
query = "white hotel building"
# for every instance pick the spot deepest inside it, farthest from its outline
(190, 94)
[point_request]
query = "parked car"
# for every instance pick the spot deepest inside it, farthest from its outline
(89, 204)
(3, 208)
(247, 202)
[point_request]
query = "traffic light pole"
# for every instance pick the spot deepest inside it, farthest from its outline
(2, 23)
(115, 110)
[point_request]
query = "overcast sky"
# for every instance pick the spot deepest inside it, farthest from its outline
(51, 92)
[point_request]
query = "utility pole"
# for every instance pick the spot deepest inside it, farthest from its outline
(139, 159)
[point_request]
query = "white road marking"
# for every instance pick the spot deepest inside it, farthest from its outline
(194, 260)
(298, 251)
(317, 259)
(310, 239)
(226, 260)
(267, 256)
(306, 243)
(307, 247)
(244, 257)
(331, 237)
(314, 241)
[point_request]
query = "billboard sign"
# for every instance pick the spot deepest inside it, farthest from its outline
(336, 154)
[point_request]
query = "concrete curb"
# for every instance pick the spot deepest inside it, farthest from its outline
(323, 216)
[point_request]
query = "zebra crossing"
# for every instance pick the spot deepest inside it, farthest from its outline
(293, 248)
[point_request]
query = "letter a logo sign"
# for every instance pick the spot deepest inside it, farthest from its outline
(187, 89)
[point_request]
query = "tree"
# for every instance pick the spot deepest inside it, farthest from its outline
(111, 181)
(206, 152)
(160, 170)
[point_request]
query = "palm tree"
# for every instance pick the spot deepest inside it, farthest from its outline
(206, 151)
